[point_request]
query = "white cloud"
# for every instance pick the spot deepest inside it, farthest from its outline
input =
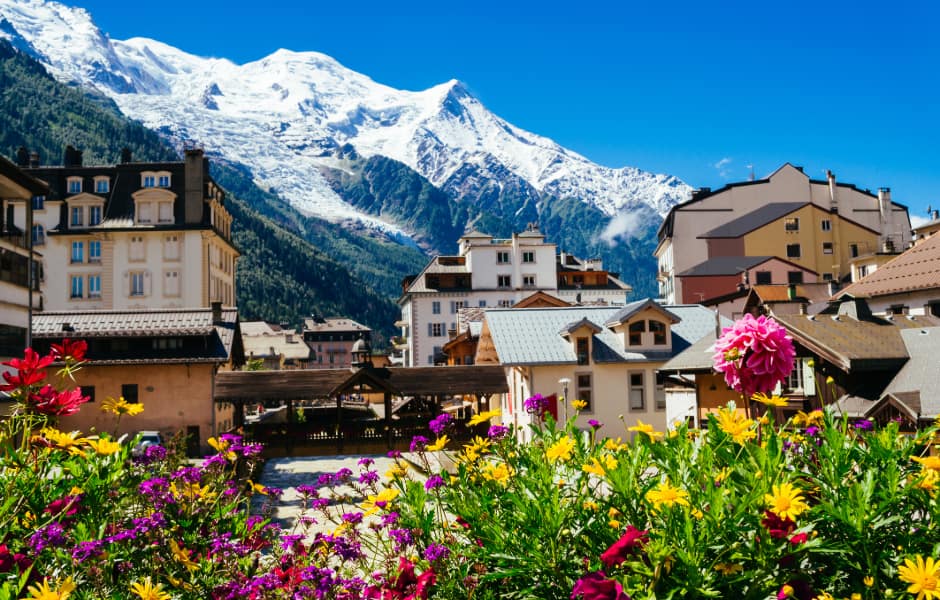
(917, 221)
(623, 226)
(722, 166)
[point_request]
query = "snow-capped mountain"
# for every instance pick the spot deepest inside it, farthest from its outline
(288, 115)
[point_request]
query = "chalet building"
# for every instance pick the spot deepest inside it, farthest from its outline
(277, 347)
(819, 225)
(331, 341)
(489, 273)
(802, 298)
(166, 359)
(907, 284)
(847, 358)
(606, 356)
(16, 188)
(131, 236)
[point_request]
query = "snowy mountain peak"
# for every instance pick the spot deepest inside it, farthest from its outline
(286, 115)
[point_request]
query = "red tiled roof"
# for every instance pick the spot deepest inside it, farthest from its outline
(918, 268)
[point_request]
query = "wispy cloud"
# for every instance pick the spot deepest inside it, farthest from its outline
(623, 226)
(722, 167)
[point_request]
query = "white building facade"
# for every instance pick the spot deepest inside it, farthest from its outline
(492, 273)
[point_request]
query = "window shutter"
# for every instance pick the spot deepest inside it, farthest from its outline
(430, 330)
(147, 283)
(809, 378)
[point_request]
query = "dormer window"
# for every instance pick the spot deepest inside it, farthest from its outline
(148, 181)
(583, 351)
(75, 185)
(102, 185)
(165, 211)
(94, 215)
(163, 181)
(636, 330)
(658, 329)
(77, 216)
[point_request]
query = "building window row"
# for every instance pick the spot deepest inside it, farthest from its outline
(77, 286)
(149, 180)
(80, 215)
(94, 252)
(504, 281)
(636, 330)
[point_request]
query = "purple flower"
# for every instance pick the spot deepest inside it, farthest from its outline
(418, 443)
(368, 478)
(188, 474)
(864, 425)
(52, 535)
(434, 482)
(85, 550)
(394, 454)
(401, 537)
(319, 503)
(290, 540)
(343, 475)
(536, 405)
(440, 423)
(812, 430)
(498, 432)
(151, 454)
(436, 552)
(352, 518)
(273, 492)
(595, 424)
(366, 462)
(308, 490)
(389, 519)
(325, 480)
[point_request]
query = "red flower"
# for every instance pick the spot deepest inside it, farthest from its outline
(49, 401)
(632, 540)
(65, 506)
(29, 370)
(8, 560)
(406, 586)
(70, 348)
(596, 586)
(778, 528)
(798, 539)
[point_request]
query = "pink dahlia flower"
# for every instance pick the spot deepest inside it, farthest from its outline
(754, 354)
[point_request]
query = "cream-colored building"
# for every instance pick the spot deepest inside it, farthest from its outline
(606, 356)
(15, 188)
(488, 273)
(132, 236)
(833, 223)
(279, 348)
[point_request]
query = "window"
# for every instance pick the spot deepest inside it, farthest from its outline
(455, 305)
(101, 186)
(791, 224)
(144, 212)
(171, 247)
(794, 276)
(39, 235)
(75, 185)
(582, 350)
(137, 248)
(148, 181)
(827, 276)
(528, 281)
(794, 381)
(94, 215)
(637, 394)
(764, 278)
(853, 250)
(165, 212)
(505, 303)
(94, 251)
(659, 393)
(77, 286)
(39, 202)
(658, 329)
(482, 304)
(137, 283)
(129, 393)
(826, 225)
(436, 307)
(862, 271)
(78, 252)
(898, 309)
(94, 286)
(584, 390)
(502, 258)
(164, 181)
(528, 257)
(435, 329)
(171, 283)
(793, 251)
(827, 247)
(635, 332)
(504, 281)
(78, 216)
(88, 391)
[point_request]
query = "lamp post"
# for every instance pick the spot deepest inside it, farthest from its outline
(564, 381)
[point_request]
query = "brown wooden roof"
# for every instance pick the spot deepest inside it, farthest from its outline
(252, 386)
(918, 268)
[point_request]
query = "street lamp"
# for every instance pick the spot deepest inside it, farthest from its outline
(564, 381)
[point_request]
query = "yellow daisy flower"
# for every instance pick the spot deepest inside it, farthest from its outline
(104, 447)
(386, 496)
(44, 591)
(579, 404)
(729, 568)
(736, 425)
(148, 591)
(923, 575)
(786, 501)
(667, 495)
(182, 556)
(928, 462)
(499, 473)
(438, 445)
(483, 417)
(647, 429)
(121, 407)
(560, 450)
(769, 400)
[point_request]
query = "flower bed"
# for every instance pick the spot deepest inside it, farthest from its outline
(813, 508)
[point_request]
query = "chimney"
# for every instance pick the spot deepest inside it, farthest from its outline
(833, 195)
(33, 160)
(72, 157)
(216, 313)
(125, 155)
(887, 218)
(195, 178)
(22, 157)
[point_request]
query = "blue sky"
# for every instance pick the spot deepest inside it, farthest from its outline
(700, 90)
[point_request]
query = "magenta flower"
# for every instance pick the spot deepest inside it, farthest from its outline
(596, 586)
(630, 542)
(754, 355)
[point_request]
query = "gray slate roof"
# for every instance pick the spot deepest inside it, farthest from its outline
(531, 336)
(754, 219)
(922, 372)
(729, 265)
(117, 323)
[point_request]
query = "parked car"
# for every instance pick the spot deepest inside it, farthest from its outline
(147, 439)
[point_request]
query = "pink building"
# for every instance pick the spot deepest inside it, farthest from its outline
(331, 341)
(723, 275)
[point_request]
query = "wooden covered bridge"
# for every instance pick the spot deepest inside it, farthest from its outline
(360, 410)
